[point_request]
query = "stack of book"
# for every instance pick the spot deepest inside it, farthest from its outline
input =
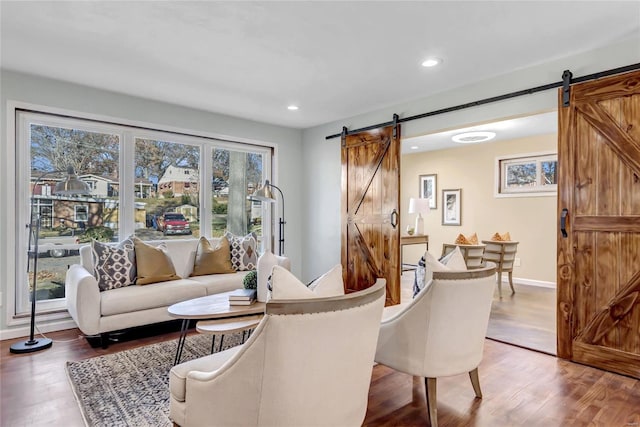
(242, 297)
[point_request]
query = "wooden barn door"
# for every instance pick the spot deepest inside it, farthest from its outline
(370, 210)
(599, 259)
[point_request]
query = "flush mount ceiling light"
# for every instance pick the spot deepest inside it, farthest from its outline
(414, 147)
(472, 137)
(292, 107)
(431, 62)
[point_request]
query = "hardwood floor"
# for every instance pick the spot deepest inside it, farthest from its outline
(526, 318)
(520, 388)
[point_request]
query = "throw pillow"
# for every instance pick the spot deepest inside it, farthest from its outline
(244, 255)
(428, 264)
(210, 260)
(153, 263)
(114, 266)
(284, 285)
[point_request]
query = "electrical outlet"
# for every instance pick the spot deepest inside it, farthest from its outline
(516, 262)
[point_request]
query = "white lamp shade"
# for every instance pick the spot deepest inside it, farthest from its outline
(418, 206)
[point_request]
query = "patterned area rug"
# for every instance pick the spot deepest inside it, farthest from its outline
(131, 388)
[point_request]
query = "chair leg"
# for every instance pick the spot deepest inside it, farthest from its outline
(432, 404)
(475, 382)
(221, 342)
(513, 291)
(500, 283)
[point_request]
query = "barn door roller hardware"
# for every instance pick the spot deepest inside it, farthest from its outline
(567, 76)
(566, 87)
(395, 125)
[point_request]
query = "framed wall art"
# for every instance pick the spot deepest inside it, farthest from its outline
(451, 209)
(429, 189)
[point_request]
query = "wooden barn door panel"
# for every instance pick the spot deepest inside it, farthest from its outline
(599, 260)
(370, 212)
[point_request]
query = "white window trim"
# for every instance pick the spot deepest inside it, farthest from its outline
(498, 174)
(14, 183)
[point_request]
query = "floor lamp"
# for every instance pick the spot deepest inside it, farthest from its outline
(71, 185)
(264, 194)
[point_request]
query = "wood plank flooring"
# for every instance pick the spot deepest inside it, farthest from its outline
(520, 388)
(526, 318)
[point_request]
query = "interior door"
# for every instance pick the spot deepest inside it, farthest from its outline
(370, 210)
(599, 259)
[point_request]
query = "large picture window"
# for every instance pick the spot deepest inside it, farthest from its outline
(527, 175)
(154, 184)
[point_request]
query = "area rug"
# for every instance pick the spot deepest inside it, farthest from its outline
(131, 388)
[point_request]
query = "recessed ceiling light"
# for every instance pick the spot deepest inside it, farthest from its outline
(292, 107)
(431, 62)
(472, 137)
(414, 147)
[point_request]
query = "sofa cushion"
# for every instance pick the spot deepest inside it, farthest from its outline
(244, 254)
(114, 266)
(153, 263)
(216, 283)
(136, 298)
(287, 286)
(210, 260)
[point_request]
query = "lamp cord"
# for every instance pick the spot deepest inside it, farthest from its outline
(55, 341)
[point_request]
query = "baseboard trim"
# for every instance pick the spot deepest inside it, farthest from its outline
(530, 282)
(8, 334)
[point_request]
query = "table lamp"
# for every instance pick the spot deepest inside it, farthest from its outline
(419, 206)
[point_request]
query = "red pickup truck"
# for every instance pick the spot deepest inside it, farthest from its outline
(173, 223)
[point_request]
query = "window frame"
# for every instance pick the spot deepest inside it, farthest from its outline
(539, 190)
(21, 116)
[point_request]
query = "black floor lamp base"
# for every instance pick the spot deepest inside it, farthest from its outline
(31, 346)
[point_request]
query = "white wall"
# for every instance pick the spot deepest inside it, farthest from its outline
(321, 158)
(51, 93)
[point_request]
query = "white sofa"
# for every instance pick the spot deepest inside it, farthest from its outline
(98, 312)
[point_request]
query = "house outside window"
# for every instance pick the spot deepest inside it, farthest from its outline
(47, 142)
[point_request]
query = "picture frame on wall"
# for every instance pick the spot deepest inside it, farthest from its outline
(429, 189)
(451, 207)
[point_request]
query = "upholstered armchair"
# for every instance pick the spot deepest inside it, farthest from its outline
(308, 363)
(441, 331)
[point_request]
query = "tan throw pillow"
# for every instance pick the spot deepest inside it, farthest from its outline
(210, 260)
(153, 263)
(471, 240)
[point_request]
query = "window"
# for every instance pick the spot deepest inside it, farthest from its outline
(81, 213)
(156, 175)
(527, 175)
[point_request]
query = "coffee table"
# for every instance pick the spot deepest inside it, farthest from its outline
(210, 307)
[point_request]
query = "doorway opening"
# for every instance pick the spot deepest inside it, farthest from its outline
(472, 173)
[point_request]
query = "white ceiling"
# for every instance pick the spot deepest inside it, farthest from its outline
(505, 130)
(332, 59)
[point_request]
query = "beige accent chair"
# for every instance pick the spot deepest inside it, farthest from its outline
(472, 254)
(308, 363)
(503, 254)
(441, 332)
